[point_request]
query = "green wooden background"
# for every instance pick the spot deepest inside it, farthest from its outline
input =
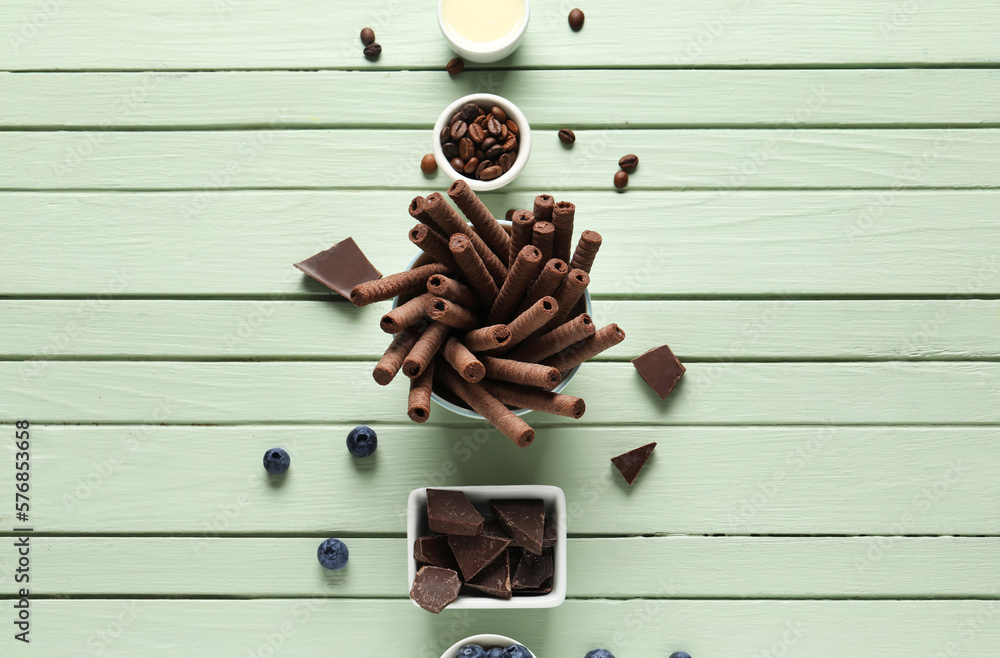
(814, 228)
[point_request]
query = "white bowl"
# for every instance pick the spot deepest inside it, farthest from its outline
(555, 508)
(491, 51)
(486, 641)
(485, 101)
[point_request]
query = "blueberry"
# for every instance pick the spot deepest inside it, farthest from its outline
(680, 654)
(332, 554)
(471, 651)
(599, 653)
(362, 441)
(515, 651)
(276, 461)
(495, 652)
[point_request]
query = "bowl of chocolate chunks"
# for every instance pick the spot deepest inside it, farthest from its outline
(486, 547)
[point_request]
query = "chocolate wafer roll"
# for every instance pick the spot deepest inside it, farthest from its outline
(531, 398)
(432, 244)
(562, 217)
(556, 340)
(542, 236)
(585, 349)
(487, 406)
(392, 360)
(519, 372)
(474, 270)
(452, 223)
(448, 312)
(527, 323)
(568, 295)
(546, 284)
(418, 406)
(419, 212)
(405, 314)
(414, 280)
(542, 209)
(586, 251)
(487, 338)
(425, 348)
(520, 234)
(463, 361)
(523, 272)
(441, 286)
(486, 224)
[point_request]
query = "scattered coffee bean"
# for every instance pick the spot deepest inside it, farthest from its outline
(491, 172)
(457, 164)
(480, 144)
(471, 166)
(428, 164)
(621, 179)
(373, 51)
(476, 133)
(567, 136)
(455, 66)
(629, 162)
(498, 112)
(450, 150)
(368, 36)
(576, 20)
(466, 149)
(458, 129)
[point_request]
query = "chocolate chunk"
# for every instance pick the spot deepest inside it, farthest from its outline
(340, 268)
(434, 589)
(451, 512)
(661, 369)
(523, 520)
(492, 529)
(551, 536)
(474, 553)
(632, 462)
(533, 570)
(544, 588)
(494, 579)
(435, 551)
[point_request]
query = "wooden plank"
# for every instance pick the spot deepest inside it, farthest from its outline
(640, 98)
(208, 481)
(701, 567)
(117, 35)
(707, 244)
(311, 627)
(717, 159)
(789, 329)
(711, 393)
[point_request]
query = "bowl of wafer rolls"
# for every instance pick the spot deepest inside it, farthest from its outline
(492, 319)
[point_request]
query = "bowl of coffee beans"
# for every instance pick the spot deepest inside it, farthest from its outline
(482, 139)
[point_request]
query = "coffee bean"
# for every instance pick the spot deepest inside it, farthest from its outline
(629, 162)
(480, 112)
(458, 129)
(498, 112)
(368, 36)
(469, 111)
(428, 164)
(445, 134)
(479, 154)
(476, 133)
(567, 136)
(479, 170)
(450, 150)
(511, 143)
(471, 166)
(481, 121)
(457, 116)
(576, 20)
(373, 51)
(455, 65)
(493, 126)
(457, 164)
(511, 127)
(495, 151)
(621, 179)
(488, 143)
(491, 172)
(510, 215)
(506, 161)
(466, 149)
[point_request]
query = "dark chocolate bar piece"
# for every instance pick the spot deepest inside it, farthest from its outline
(340, 268)
(474, 553)
(533, 570)
(631, 462)
(494, 579)
(435, 551)
(434, 588)
(523, 520)
(451, 513)
(551, 536)
(544, 588)
(661, 369)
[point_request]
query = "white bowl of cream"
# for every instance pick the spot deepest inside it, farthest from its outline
(483, 30)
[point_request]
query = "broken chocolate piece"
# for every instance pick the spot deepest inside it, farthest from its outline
(551, 536)
(492, 529)
(661, 369)
(474, 553)
(494, 579)
(435, 551)
(340, 268)
(632, 461)
(533, 570)
(544, 588)
(451, 512)
(523, 520)
(434, 588)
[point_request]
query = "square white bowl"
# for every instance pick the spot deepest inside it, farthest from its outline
(555, 509)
